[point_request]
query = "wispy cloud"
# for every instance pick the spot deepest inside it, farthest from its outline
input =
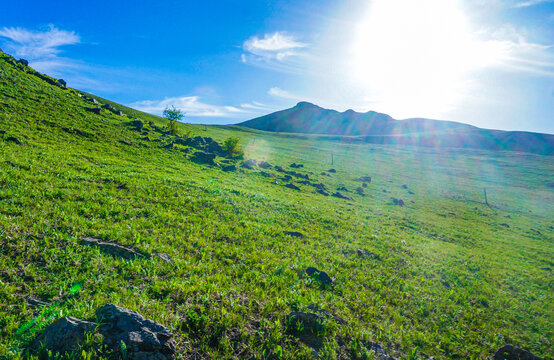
(283, 94)
(276, 51)
(38, 44)
(528, 3)
(193, 106)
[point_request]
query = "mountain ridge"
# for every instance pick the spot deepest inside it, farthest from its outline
(375, 127)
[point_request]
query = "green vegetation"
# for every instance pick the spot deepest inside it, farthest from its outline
(231, 146)
(173, 115)
(446, 275)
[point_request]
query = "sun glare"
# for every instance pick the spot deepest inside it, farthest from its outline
(412, 56)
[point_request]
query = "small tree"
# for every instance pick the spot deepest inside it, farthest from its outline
(231, 146)
(173, 115)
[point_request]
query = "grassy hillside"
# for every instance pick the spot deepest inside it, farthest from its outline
(445, 275)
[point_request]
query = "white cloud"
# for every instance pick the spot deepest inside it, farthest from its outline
(37, 45)
(284, 94)
(194, 107)
(531, 3)
(276, 51)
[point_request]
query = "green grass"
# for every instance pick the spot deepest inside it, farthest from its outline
(450, 281)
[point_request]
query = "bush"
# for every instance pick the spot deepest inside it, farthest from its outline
(231, 146)
(173, 115)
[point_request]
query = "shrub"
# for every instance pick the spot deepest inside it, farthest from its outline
(231, 146)
(173, 115)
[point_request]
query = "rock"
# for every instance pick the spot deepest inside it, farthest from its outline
(169, 146)
(364, 185)
(264, 173)
(62, 82)
(120, 113)
(2, 132)
(404, 186)
(23, 62)
(125, 142)
(34, 302)
(164, 257)
(203, 157)
(326, 314)
(305, 182)
(342, 188)
(398, 202)
(510, 352)
(13, 139)
(320, 186)
(342, 195)
(360, 191)
(366, 179)
(287, 178)
(292, 186)
(323, 192)
(302, 322)
(294, 234)
(95, 110)
(144, 338)
(94, 101)
(264, 165)
(296, 166)
(279, 168)
(214, 147)
(249, 164)
(114, 249)
(228, 168)
(332, 171)
(63, 336)
(505, 225)
(137, 124)
(321, 276)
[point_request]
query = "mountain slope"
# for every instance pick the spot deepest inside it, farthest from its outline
(380, 128)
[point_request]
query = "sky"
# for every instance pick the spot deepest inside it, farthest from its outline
(489, 63)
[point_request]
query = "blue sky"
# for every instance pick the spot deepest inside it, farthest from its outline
(489, 63)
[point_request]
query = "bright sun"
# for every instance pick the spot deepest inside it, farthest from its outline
(413, 57)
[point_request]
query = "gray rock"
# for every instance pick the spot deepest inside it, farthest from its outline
(341, 195)
(203, 157)
(144, 338)
(95, 110)
(332, 171)
(510, 352)
(249, 164)
(63, 336)
(23, 62)
(264, 164)
(292, 186)
(396, 201)
(114, 249)
(137, 124)
(366, 179)
(94, 101)
(62, 82)
(360, 191)
(319, 275)
(323, 192)
(228, 168)
(214, 147)
(296, 166)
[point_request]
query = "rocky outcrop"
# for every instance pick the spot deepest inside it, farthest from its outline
(510, 352)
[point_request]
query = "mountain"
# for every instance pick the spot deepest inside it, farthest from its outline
(374, 127)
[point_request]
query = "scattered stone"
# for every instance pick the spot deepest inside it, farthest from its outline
(264, 164)
(510, 352)
(404, 186)
(114, 249)
(305, 182)
(279, 168)
(365, 179)
(62, 82)
(63, 336)
(13, 139)
(360, 191)
(332, 171)
(294, 234)
(23, 62)
(296, 166)
(321, 276)
(323, 192)
(228, 168)
(398, 202)
(203, 157)
(292, 186)
(137, 124)
(95, 110)
(94, 101)
(364, 185)
(249, 164)
(505, 225)
(342, 195)
(342, 188)
(125, 142)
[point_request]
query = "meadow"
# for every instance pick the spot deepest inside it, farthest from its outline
(445, 275)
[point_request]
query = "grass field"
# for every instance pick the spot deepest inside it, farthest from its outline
(449, 276)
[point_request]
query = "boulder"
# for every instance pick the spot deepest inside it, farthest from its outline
(366, 179)
(323, 192)
(360, 191)
(137, 124)
(203, 157)
(404, 186)
(342, 195)
(319, 275)
(279, 168)
(63, 336)
(249, 164)
(214, 147)
(62, 82)
(264, 165)
(292, 186)
(398, 202)
(23, 62)
(95, 110)
(228, 168)
(296, 166)
(364, 185)
(13, 139)
(143, 338)
(510, 352)
(332, 171)
(94, 101)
